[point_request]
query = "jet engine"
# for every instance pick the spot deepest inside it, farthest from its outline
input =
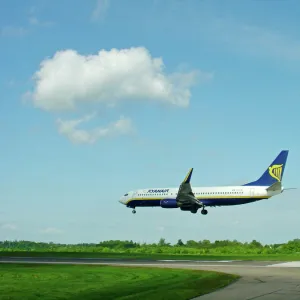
(168, 203)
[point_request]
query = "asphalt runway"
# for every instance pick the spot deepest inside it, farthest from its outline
(262, 280)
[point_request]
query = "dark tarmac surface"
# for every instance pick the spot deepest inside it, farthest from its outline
(263, 280)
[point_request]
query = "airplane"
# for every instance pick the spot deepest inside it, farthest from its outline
(192, 199)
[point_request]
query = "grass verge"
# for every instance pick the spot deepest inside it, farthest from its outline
(48, 282)
(130, 256)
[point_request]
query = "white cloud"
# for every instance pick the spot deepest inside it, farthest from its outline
(80, 136)
(161, 228)
(51, 230)
(8, 226)
(34, 20)
(253, 39)
(33, 10)
(11, 83)
(12, 31)
(100, 9)
(69, 79)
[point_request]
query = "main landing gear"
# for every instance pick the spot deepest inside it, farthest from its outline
(204, 211)
(133, 211)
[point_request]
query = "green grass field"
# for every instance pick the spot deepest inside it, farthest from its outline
(48, 282)
(279, 257)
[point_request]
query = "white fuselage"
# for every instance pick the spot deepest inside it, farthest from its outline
(222, 195)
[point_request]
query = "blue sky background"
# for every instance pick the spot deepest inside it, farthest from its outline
(238, 119)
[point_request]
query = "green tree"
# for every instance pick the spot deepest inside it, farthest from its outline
(162, 242)
(180, 243)
(255, 244)
(192, 244)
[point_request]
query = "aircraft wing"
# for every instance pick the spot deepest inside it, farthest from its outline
(185, 196)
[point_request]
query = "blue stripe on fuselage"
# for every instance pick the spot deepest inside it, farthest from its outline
(206, 202)
(228, 201)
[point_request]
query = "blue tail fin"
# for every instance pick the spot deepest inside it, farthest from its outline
(274, 173)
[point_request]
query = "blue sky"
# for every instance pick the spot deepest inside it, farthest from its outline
(212, 85)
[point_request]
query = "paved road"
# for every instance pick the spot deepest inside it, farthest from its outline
(260, 280)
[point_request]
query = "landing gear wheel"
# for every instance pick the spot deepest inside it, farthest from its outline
(204, 212)
(134, 211)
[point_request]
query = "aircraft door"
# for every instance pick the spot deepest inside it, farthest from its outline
(251, 192)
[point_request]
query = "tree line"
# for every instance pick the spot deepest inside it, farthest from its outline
(162, 246)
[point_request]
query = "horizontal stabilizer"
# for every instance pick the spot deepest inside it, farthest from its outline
(274, 187)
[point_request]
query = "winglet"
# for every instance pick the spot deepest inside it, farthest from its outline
(187, 179)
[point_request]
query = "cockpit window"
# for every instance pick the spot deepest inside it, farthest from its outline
(126, 195)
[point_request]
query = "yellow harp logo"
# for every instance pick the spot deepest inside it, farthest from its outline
(276, 171)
